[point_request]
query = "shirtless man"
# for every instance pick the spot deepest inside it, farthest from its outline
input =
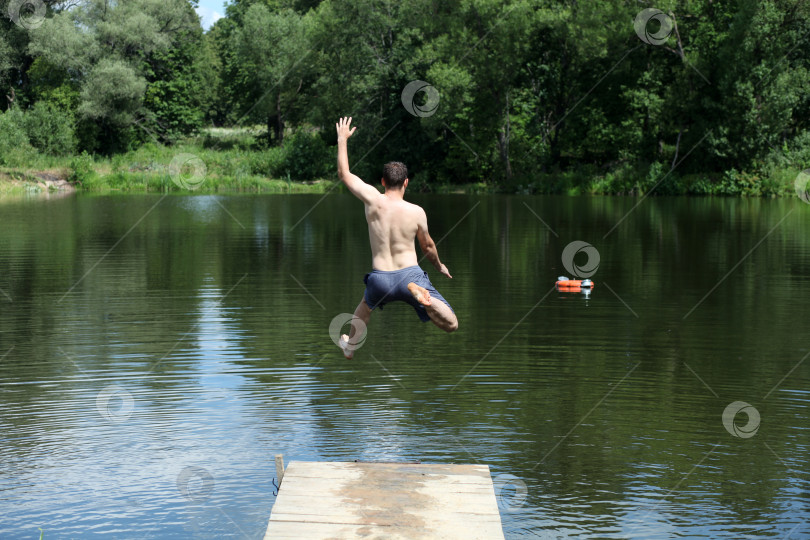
(392, 225)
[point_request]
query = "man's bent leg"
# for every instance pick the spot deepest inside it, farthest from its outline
(440, 313)
(442, 316)
(359, 323)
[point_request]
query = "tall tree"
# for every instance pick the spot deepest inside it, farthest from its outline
(106, 47)
(272, 65)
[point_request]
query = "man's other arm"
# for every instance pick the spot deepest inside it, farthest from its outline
(428, 245)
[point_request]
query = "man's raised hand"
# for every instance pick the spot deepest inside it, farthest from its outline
(343, 130)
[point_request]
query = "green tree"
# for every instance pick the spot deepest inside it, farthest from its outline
(50, 129)
(107, 46)
(208, 67)
(176, 79)
(477, 65)
(365, 52)
(53, 85)
(272, 49)
(763, 74)
(14, 144)
(6, 60)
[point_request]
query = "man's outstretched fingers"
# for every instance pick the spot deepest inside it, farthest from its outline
(344, 128)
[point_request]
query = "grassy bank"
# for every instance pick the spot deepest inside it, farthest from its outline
(228, 160)
(106, 177)
(148, 170)
(638, 180)
(217, 161)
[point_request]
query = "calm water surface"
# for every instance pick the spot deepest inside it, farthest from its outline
(157, 352)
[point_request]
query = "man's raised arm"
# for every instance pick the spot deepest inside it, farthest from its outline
(360, 189)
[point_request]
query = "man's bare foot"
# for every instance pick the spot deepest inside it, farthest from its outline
(344, 346)
(420, 294)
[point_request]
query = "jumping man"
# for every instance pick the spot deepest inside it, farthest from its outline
(392, 225)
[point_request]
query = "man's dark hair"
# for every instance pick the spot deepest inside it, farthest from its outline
(394, 174)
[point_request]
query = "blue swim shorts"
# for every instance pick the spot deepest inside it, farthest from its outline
(389, 286)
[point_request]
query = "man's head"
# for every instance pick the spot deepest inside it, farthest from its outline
(395, 175)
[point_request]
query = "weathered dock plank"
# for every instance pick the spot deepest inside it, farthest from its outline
(329, 500)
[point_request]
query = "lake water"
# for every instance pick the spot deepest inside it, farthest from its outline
(158, 351)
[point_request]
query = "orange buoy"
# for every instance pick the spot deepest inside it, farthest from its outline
(573, 285)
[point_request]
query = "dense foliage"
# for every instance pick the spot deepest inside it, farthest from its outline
(526, 94)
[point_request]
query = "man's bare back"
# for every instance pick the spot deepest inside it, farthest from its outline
(393, 223)
(392, 226)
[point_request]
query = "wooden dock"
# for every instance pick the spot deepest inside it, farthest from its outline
(332, 500)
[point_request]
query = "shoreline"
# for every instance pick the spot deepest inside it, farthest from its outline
(64, 180)
(37, 182)
(235, 162)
